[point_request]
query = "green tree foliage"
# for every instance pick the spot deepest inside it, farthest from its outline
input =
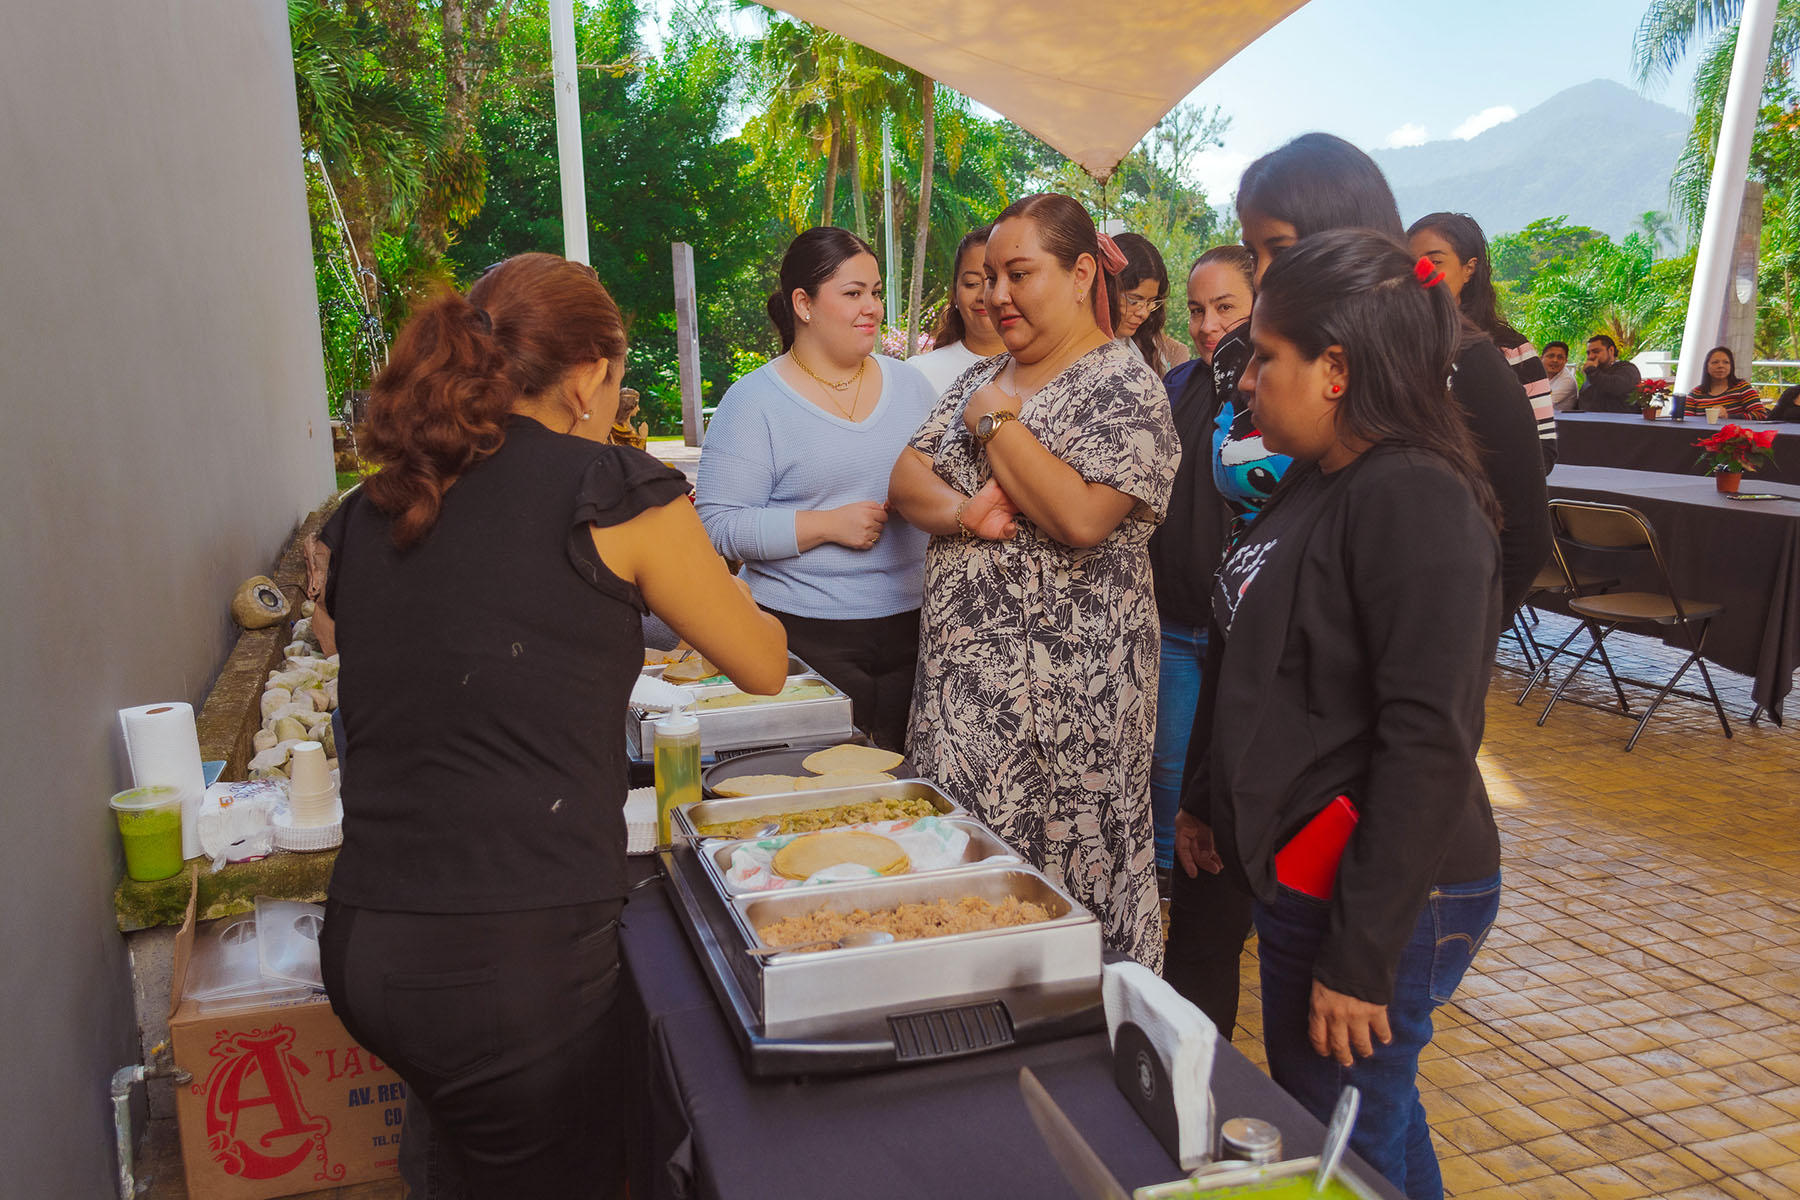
(659, 169)
(1617, 288)
(1669, 31)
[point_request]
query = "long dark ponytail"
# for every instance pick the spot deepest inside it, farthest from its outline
(1356, 289)
(1478, 301)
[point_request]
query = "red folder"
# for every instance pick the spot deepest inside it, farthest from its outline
(1309, 862)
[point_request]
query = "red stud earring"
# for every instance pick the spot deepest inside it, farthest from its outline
(1336, 388)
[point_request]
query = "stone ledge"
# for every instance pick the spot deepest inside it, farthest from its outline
(227, 722)
(224, 893)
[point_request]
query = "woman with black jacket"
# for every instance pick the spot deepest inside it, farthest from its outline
(1357, 616)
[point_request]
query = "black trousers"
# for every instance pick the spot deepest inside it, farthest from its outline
(872, 661)
(501, 1026)
(1209, 918)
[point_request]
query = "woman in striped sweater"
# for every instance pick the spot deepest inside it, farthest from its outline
(1723, 389)
(1455, 243)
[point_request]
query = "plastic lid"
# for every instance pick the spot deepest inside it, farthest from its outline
(677, 724)
(140, 799)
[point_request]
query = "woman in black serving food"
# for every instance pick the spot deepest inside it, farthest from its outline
(1357, 617)
(488, 585)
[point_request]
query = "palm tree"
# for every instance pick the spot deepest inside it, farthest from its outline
(1663, 39)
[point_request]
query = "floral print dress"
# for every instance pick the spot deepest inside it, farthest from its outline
(1035, 705)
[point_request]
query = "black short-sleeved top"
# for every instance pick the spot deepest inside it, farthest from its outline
(485, 674)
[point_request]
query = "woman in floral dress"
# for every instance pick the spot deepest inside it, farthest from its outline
(1041, 475)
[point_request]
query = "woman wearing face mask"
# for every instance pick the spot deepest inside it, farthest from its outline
(1040, 476)
(1318, 182)
(1358, 615)
(793, 481)
(1456, 246)
(1209, 916)
(1144, 305)
(964, 335)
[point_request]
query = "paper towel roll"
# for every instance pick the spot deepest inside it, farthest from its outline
(163, 747)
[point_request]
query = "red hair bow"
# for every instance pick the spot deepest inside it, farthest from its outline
(1428, 273)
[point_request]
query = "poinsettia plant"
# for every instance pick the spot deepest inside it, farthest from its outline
(1650, 392)
(1734, 450)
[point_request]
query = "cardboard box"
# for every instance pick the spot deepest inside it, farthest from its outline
(282, 1100)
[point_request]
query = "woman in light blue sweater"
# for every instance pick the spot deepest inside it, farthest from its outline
(794, 475)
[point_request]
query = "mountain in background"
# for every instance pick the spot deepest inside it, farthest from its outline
(1598, 153)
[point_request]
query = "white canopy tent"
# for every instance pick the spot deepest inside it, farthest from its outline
(1090, 79)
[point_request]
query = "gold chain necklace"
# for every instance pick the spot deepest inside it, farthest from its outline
(856, 379)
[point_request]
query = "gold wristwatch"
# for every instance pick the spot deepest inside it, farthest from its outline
(988, 424)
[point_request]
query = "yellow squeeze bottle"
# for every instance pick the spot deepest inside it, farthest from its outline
(677, 740)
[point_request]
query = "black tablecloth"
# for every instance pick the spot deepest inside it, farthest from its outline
(1742, 554)
(958, 1128)
(1627, 440)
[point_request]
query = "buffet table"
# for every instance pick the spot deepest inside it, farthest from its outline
(1627, 440)
(700, 1127)
(1742, 554)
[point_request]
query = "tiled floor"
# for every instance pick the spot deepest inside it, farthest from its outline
(1632, 1028)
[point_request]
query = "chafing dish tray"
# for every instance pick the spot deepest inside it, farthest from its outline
(899, 1004)
(795, 667)
(690, 819)
(982, 845)
(769, 724)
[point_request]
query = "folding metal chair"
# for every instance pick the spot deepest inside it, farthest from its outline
(1615, 530)
(1550, 581)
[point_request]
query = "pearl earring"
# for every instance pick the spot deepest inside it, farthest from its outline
(586, 415)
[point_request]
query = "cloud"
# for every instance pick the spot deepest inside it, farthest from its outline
(1409, 134)
(1485, 120)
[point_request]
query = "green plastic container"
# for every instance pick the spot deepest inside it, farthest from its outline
(150, 827)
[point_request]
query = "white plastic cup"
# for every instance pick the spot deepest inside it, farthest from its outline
(312, 796)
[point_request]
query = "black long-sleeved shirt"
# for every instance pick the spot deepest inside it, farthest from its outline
(1498, 414)
(1357, 623)
(1607, 388)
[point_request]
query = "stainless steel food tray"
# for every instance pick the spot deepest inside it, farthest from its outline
(753, 724)
(899, 1004)
(795, 667)
(983, 845)
(690, 818)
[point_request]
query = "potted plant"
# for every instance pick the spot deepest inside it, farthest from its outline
(1727, 454)
(1649, 397)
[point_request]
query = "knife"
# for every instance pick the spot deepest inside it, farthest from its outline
(1077, 1159)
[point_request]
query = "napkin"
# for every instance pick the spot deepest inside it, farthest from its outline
(1146, 1019)
(640, 821)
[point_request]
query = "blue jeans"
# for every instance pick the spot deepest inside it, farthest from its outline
(1391, 1133)
(1177, 696)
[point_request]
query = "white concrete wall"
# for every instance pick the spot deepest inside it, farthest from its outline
(162, 428)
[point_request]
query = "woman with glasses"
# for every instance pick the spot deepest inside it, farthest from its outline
(1143, 305)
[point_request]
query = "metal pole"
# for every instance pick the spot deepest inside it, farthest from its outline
(1725, 197)
(568, 130)
(887, 211)
(687, 344)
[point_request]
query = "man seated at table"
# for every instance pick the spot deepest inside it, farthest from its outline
(1563, 384)
(1610, 382)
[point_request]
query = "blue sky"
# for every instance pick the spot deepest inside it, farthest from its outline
(1402, 72)
(1399, 72)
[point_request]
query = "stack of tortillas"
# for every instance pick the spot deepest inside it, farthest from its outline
(836, 767)
(811, 853)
